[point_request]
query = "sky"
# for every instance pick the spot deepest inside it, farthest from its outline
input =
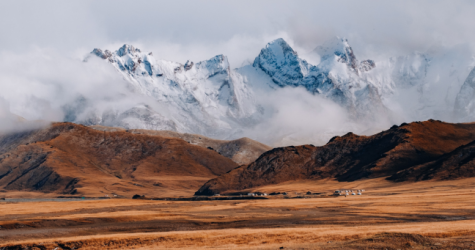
(181, 30)
(43, 43)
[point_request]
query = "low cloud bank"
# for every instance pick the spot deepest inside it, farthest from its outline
(298, 117)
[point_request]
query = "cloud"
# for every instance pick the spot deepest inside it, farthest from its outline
(13, 123)
(297, 117)
(42, 46)
(205, 28)
(39, 82)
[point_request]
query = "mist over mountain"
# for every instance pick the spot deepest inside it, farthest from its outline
(279, 77)
(211, 98)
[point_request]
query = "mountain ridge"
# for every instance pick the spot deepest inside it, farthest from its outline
(220, 101)
(213, 99)
(72, 159)
(349, 157)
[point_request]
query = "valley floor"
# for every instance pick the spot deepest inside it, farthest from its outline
(422, 215)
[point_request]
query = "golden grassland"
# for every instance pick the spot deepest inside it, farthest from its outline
(421, 215)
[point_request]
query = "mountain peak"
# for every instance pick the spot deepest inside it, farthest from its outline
(280, 42)
(339, 48)
(102, 54)
(281, 62)
(279, 50)
(221, 59)
(188, 65)
(332, 46)
(124, 50)
(127, 49)
(213, 66)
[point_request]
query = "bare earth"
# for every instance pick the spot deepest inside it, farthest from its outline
(408, 215)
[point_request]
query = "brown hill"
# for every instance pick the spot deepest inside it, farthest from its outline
(242, 151)
(350, 157)
(67, 158)
(457, 164)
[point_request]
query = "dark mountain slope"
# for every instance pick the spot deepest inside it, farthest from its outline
(350, 157)
(457, 164)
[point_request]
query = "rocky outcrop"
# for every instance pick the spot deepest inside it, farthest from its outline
(188, 65)
(104, 55)
(367, 65)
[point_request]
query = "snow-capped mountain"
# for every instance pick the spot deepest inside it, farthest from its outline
(206, 97)
(339, 76)
(211, 98)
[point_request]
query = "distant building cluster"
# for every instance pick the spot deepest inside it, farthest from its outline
(348, 192)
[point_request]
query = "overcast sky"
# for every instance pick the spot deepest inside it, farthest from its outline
(197, 30)
(42, 44)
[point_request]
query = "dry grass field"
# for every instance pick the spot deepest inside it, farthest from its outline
(421, 215)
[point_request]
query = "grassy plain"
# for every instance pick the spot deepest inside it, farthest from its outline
(421, 215)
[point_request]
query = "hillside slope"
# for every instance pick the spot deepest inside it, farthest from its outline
(350, 157)
(67, 158)
(242, 151)
(457, 164)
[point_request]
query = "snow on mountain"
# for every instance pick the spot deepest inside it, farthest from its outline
(424, 85)
(339, 50)
(206, 97)
(410, 70)
(338, 76)
(465, 101)
(211, 98)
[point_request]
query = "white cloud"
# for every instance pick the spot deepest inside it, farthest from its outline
(42, 44)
